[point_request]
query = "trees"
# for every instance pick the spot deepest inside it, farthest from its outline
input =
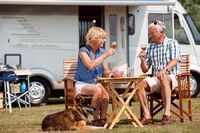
(193, 9)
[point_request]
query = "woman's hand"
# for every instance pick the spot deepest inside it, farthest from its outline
(110, 51)
(116, 74)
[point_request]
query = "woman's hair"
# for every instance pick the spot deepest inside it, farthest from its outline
(94, 34)
(159, 26)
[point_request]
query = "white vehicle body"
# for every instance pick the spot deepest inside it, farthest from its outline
(44, 32)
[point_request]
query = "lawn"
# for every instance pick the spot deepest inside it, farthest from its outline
(29, 120)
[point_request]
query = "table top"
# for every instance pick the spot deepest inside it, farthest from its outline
(121, 79)
(20, 72)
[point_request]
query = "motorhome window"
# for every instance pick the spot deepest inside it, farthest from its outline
(131, 24)
(166, 18)
(12, 60)
(193, 29)
(113, 27)
(179, 32)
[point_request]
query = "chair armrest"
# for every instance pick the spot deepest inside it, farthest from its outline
(183, 74)
(69, 79)
(69, 92)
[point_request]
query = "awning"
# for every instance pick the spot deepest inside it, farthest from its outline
(89, 2)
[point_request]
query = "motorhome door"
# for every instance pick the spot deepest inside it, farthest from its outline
(89, 16)
(115, 26)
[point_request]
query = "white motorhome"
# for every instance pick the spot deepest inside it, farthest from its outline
(44, 32)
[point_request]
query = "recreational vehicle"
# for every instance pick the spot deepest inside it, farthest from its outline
(44, 32)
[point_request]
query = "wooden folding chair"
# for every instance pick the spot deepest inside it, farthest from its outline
(71, 98)
(182, 94)
(69, 92)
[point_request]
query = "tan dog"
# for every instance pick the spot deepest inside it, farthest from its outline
(70, 119)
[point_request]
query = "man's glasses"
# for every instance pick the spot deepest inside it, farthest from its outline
(157, 22)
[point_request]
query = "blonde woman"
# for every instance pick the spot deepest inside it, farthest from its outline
(92, 64)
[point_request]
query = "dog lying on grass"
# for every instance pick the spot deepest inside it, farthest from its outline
(70, 119)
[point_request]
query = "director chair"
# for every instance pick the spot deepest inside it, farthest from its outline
(71, 99)
(180, 96)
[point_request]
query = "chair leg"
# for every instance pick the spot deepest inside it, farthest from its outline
(141, 112)
(5, 95)
(18, 102)
(8, 94)
(151, 107)
(181, 110)
(113, 107)
(190, 109)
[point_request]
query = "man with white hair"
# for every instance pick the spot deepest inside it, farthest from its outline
(163, 56)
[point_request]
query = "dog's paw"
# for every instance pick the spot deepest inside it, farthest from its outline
(81, 124)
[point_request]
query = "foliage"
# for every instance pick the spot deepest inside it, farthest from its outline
(193, 9)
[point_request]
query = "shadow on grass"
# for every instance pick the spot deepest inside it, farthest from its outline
(51, 101)
(55, 101)
(155, 122)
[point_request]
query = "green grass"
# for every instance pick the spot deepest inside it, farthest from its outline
(29, 120)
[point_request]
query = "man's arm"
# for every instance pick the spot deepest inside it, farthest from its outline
(171, 64)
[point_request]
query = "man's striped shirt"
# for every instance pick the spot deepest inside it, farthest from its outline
(159, 56)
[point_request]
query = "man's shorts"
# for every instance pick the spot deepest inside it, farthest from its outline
(154, 83)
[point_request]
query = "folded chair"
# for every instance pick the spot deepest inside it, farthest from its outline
(180, 96)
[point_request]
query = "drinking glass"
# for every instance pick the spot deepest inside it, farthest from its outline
(117, 73)
(144, 47)
(115, 69)
(131, 71)
(113, 45)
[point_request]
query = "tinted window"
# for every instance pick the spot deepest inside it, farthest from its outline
(131, 24)
(179, 32)
(113, 27)
(193, 29)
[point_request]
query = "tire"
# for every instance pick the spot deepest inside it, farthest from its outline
(39, 90)
(195, 84)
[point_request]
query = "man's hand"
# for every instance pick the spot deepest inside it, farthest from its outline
(142, 55)
(161, 74)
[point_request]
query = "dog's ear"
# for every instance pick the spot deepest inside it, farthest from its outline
(83, 100)
(79, 99)
(79, 114)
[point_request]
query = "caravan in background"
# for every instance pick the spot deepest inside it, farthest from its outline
(44, 32)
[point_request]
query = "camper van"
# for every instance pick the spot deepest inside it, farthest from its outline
(39, 34)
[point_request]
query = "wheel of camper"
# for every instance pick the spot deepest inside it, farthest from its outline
(39, 90)
(195, 84)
